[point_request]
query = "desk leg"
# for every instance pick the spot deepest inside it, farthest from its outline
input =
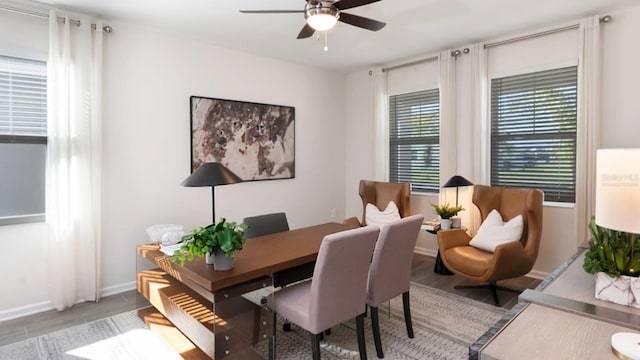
(439, 268)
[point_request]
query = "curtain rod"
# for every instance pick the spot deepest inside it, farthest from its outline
(604, 19)
(433, 58)
(105, 28)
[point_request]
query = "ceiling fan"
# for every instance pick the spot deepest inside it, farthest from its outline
(323, 15)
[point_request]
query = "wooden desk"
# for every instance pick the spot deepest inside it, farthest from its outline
(207, 306)
(562, 319)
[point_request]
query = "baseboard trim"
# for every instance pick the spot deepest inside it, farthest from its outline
(118, 289)
(43, 306)
(540, 275)
(26, 310)
(425, 251)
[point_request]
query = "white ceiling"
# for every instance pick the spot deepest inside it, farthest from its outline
(414, 27)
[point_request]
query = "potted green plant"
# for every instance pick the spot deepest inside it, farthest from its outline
(216, 242)
(446, 212)
(614, 257)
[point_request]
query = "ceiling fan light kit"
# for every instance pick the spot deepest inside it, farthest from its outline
(321, 16)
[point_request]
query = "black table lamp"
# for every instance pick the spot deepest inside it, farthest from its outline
(211, 174)
(457, 181)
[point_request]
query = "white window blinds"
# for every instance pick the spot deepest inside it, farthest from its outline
(533, 132)
(23, 139)
(23, 97)
(414, 154)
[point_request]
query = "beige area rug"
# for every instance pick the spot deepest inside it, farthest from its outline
(444, 326)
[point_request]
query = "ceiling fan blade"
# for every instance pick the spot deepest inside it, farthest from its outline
(306, 32)
(271, 11)
(349, 4)
(362, 22)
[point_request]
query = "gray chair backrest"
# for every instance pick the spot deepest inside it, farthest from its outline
(390, 271)
(339, 283)
(265, 224)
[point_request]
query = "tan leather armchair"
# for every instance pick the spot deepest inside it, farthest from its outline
(380, 194)
(509, 260)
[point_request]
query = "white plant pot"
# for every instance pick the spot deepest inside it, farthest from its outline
(220, 261)
(623, 290)
(445, 224)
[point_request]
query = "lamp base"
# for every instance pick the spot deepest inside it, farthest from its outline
(626, 345)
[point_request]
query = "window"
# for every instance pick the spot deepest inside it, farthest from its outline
(414, 144)
(23, 139)
(533, 132)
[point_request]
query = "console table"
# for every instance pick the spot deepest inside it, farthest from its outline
(211, 308)
(560, 319)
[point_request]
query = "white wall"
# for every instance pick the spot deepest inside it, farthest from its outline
(621, 78)
(620, 108)
(24, 246)
(149, 76)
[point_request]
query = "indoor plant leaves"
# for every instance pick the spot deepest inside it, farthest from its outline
(612, 252)
(227, 237)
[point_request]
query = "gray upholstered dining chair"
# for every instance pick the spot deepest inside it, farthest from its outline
(390, 271)
(336, 293)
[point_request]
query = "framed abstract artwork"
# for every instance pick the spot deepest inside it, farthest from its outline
(255, 141)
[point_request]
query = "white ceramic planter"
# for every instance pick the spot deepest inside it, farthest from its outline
(220, 261)
(445, 224)
(623, 290)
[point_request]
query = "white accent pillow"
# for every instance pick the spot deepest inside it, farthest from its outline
(494, 231)
(373, 216)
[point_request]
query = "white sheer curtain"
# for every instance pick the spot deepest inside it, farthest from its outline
(448, 135)
(381, 134)
(589, 122)
(73, 160)
(481, 133)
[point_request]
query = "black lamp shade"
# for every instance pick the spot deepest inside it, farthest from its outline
(211, 174)
(456, 181)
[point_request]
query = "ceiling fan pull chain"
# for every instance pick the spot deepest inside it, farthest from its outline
(326, 43)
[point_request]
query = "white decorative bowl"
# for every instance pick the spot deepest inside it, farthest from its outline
(156, 232)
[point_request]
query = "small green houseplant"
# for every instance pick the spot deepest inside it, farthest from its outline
(614, 258)
(446, 211)
(222, 237)
(612, 252)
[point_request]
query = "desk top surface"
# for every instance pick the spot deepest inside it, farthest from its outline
(557, 329)
(261, 256)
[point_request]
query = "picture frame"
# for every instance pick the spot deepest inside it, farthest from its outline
(256, 141)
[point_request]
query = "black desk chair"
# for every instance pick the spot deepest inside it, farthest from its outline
(265, 224)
